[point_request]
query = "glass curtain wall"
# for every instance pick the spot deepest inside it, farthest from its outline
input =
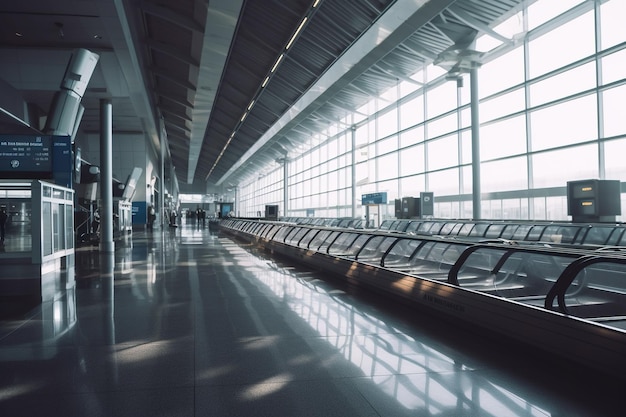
(266, 189)
(551, 111)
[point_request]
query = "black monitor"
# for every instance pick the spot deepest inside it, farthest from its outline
(595, 201)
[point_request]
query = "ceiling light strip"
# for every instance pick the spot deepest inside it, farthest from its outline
(267, 79)
(295, 35)
(280, 58)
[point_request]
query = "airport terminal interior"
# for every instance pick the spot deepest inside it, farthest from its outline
(312, 208)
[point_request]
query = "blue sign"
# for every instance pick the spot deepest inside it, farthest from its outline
(62, 161)
(375, 198)
(139, 212)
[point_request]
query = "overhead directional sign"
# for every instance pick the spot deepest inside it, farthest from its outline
(374, 198)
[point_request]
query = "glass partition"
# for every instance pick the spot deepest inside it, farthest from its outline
(598, 235)
(512, 273)
(282, 233)
(597, 290)
(530, 274)
(298, 234)
(36, 257)
(401, 253)
(375, 248)
(306, 239)
(52, 221)
(342, 245)
(325, 241)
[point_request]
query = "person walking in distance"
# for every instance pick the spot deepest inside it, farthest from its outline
(3, 223)
(151, 217)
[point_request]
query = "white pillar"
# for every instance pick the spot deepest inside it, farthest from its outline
(106, 176)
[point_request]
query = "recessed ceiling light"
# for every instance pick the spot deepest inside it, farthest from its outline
(18, 34)
(97, 36)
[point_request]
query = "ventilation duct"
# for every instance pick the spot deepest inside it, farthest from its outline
(66, 110)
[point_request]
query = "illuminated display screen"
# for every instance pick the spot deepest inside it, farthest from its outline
(25, 154)
(37, 157)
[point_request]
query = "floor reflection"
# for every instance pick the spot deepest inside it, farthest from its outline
(417, 375)
(185, 322)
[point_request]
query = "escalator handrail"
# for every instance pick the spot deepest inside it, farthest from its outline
(508, 251)
(569, 274)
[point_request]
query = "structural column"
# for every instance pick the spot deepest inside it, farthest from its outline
(476, 202)
(164, 221)
(285, 185)
(236, 208)
(106, 176)
(353, 170)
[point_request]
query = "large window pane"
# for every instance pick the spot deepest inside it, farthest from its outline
(502, 105)
(467, 181)
(387, 145)
(614, 115)
(541, 11)
(441, 99)
(411, 137)
(504, 175)
(362, 154)
(388, 123)
(444, 182)
(407, 88)
(412, 186)
(412, 160)
(442, 126)
(566, 123)
(503, 138)
(556, 208)
(362, 135)
(323, 183)
(333, 164)
(514, 208)
(613, 66)
(562, 85)
(391, 188)
(614, 154)
(466, 147)
(315, 158)
(501, 73)
(387, 166)
(345, 177)
(543, 50)
(412, 112)
(362, 173)
(443, 153)
(555, 169)
(466, 118)
(612, 17)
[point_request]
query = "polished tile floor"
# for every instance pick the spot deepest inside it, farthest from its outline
(188, 323)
